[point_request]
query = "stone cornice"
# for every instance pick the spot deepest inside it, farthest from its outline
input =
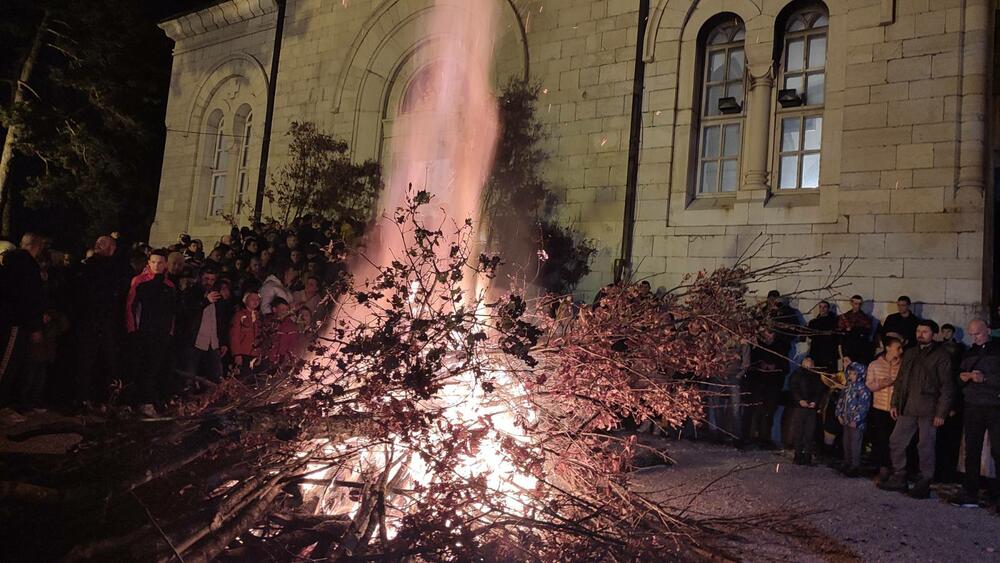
(217, 16)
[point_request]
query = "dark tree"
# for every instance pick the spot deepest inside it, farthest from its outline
(83, 122)
(319, 178)
(519, 203)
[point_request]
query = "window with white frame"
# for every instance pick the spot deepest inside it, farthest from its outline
(220, 161)
(243, 175)
(721, 113)
(801, 98)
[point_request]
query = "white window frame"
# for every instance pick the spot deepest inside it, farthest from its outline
(708, 119)
(815, 27)
(217, 184)
(242, 175)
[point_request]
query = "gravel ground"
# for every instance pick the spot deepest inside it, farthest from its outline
(842, 519)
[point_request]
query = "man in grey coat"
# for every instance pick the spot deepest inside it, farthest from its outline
(921, 398)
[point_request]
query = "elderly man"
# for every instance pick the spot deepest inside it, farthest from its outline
(100, 285)
(979, 373)
(921, 399)
(21, 310)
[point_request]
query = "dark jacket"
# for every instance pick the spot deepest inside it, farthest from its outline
(100, 286)
(987, 360)
(856, 335)
(823, 340)
(806, 385)
(22, 295)
(193, 303)
(151, 305)
(925, 386)
(903, 326)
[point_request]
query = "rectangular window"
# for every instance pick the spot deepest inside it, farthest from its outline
(719, 164)
(243, 178)
(723, 91)
(798, 161)
(217, 199)
(220, 161)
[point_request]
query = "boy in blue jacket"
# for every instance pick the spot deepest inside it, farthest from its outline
(852, 412)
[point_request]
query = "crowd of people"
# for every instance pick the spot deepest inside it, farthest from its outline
(897, 397)
(139, 326)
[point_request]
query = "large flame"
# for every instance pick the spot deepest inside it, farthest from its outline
(445, 146)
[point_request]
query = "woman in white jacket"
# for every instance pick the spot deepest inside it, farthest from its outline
(276, 285)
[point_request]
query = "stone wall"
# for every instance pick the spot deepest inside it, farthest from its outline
(895, 203)
(902, 170)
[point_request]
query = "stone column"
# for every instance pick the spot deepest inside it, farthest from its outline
(975, 54)
(758, 123)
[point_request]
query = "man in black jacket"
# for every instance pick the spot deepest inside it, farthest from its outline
(807, 390)
(823, 338)
(980, 379)
(150, 310)
(903, 324)
(762, 391)
(100, 286)
(921, 399)
(204, 334)
(21, 308)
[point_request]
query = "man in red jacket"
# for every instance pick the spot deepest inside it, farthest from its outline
(149, 319)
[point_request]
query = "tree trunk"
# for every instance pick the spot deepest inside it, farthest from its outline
(12, 132)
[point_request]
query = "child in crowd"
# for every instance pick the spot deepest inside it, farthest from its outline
(244, 334)
(807, 390)
(852, 412)
(282, 330)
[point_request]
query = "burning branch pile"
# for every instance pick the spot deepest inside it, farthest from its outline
(432, 420)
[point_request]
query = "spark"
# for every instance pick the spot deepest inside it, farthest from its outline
(545, 91)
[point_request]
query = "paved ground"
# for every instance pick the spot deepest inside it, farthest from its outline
(839, 519)
(843, 519)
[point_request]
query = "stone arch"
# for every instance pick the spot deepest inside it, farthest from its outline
(236, 66)
(391, 11)
(248, 82)
(675, 16)
(390, 41)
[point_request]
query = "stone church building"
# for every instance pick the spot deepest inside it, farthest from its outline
(681, 132)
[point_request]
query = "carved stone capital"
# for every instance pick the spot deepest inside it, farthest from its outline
(761, 78)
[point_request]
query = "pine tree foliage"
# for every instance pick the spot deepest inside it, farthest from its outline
(91, 130)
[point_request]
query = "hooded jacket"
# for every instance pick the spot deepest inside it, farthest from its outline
(856, 399)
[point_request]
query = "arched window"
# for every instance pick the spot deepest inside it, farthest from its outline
(218, 165)
(721, 114)
(421, 89)
(801, 97)
(242, 174)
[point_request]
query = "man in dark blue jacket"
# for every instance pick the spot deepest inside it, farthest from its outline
(979, 374)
